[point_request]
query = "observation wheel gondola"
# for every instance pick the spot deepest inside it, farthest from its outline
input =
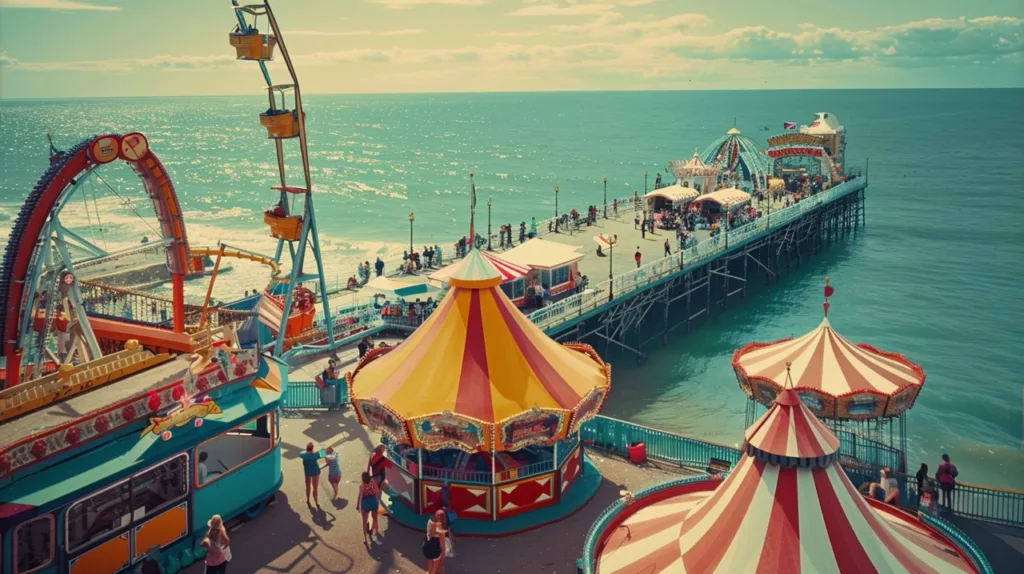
(46, 305)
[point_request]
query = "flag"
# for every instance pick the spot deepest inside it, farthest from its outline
(789, 125)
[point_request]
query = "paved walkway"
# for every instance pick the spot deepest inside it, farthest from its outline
(291, 537)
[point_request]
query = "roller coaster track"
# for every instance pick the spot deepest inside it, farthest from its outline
(28, 234)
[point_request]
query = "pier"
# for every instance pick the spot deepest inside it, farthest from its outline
(641, 305)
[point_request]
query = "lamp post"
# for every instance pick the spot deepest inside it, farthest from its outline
(489, 225)
(556, 209)
(726, 225)
(606, 198)
(411, 219)
(611, 275)
(645, 182)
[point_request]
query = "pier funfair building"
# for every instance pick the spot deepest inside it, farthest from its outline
(787, 506)
(817, 151)
(553, 266)
(741, 162)
(481, 412)
(862, 391)
(692, 177)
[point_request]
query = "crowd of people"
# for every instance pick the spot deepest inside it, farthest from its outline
(933, 494)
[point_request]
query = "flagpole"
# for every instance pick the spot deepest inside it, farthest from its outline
(472, 213)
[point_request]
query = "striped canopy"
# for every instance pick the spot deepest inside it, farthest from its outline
(836, 378)
(508, 271)
(787, 507)
(478, 360)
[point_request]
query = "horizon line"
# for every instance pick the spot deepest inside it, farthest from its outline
(492, 92)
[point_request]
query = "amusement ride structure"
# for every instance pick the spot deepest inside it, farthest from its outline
(855, 386)
(738, 159)
(482, 409)
(293, 228)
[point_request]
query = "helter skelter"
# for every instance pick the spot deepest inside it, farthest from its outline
(859, 389)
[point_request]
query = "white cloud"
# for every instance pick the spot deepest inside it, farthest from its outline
(56, 5)
(406, 4)
(551, 9)
(402, 32)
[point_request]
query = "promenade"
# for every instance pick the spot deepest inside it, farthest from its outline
(292, 537)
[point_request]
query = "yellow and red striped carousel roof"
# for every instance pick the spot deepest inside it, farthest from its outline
(478, 356)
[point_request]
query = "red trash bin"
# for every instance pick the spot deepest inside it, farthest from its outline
(637, 452)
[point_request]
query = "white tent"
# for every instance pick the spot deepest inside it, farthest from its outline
(728, 196)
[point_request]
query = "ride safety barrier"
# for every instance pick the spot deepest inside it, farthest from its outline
(690, 258)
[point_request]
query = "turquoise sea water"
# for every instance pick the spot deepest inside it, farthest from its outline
(935, 274)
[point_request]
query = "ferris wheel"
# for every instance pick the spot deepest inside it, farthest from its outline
(82, 217)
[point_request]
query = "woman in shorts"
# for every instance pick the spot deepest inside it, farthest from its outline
(369, 501)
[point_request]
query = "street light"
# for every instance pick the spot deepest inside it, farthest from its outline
(606, 198)
(411, 219)
(489, 225)
(645, 182)
(726, 225)
(556, 209)
(611, 276)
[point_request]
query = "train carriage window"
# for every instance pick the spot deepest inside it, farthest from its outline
(233, 449)
(95, 516)
(33, 544)
(155, 487)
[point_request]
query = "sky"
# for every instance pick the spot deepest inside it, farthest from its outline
(111, 48)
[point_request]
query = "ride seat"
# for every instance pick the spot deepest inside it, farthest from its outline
(253, 45)
(288, 227)
(281, 124)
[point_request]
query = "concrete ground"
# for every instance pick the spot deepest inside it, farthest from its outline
(292, 537)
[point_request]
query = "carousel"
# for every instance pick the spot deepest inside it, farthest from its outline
(481, 411)
(863, 392)
(787, 506)
(740, 161)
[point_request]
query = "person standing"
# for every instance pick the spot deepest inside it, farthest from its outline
(311, 468)
(377, 466)
(333, 470)
(379, 266)
(218, 546)
(637, 256)
(946, 476)
(362, 348)
(434, 546)
(369, 501)
(668, 248)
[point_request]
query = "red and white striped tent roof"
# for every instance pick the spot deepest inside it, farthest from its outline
(508, 271)
(825, 362)
(787, 507)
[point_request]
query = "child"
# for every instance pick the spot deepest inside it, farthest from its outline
(333, 469)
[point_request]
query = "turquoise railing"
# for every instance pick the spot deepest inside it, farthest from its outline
(308, 395)
(604, 520)
(963, 542)
(615, 435)
(692, 257)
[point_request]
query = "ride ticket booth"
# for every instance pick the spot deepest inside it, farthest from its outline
(552, 265)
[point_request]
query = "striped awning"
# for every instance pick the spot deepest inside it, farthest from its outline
(508, 271)
(778, 513)
(827, 368)
(478, 359)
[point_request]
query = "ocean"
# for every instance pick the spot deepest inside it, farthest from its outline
(935, 274)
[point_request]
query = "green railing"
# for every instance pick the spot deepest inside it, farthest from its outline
(308, 395)
(604, 520)
(962, 541)
(970, 501)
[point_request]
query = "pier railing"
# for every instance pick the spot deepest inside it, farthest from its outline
(634, 280)
(860, 458)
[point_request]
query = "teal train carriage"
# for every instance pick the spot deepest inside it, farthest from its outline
(135, 480)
